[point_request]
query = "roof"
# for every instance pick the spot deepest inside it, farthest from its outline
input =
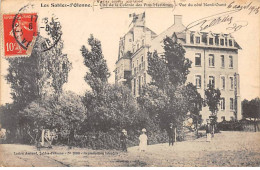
(147, 29)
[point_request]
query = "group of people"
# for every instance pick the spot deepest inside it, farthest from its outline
(171, 133)
(142, 140)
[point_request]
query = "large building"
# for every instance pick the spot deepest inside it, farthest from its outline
(214, 59)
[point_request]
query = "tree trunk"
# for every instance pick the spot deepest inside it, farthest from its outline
(255, 124)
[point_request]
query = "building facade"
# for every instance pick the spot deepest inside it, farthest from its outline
(214, 59)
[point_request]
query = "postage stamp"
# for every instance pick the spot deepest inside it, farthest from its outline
(20, 31)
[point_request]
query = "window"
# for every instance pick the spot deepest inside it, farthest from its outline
(231, 104)
(210, 41)
(230, 61)
(197, 59)
(192, 39)
(230, 43)
(212, 81)
(142, 59)
(143, 42)
(137, 66)
(221, 41)
(197, 40)
(231, 83)
(222, 103)
(139, 85)
(223, 82)
(226, 41)
(222, 61)
(211, 60)
(130, 40)
(134, 86)
(198, 81)
(223, 118)
(217, 41)
(144, 78)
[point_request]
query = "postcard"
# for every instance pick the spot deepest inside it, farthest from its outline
(130, 83)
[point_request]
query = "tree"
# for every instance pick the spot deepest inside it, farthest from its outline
(251, 109)
(94, 60)
(66, 113)
(109, 106)
(194, 104)
(9, 119)
(114, 107)
(166, 95)
(35, 76)
(212, 98)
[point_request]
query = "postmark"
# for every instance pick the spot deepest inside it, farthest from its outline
(51, 32)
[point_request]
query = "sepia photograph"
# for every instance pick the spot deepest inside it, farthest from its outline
(130, 83)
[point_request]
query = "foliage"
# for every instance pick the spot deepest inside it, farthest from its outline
(51, 113)
(251, 109)
(167, 98)
(230, 126)
(177, 64)
(113, 107)
(212, 99)
(94, 60)
(35, 76)
(109, 106)
(194, 102)
(9, 117)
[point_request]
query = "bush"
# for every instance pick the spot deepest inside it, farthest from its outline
(230, 126)
(111, 139)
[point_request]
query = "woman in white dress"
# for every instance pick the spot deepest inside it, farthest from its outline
(143, 141)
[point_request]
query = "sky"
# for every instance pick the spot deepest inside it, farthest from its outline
(108, 25)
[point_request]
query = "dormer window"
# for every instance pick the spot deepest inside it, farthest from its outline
(192, 39)
(197, 40)
(210, 41)
(230, 43)
(221, 41)
(217, 41)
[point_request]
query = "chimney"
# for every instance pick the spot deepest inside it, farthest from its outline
(177, 19)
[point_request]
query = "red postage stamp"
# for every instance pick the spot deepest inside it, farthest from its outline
(20, 32)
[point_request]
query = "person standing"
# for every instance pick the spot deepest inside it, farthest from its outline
(143, 141)
(208, 131)
(123, 138)
(171, 134)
